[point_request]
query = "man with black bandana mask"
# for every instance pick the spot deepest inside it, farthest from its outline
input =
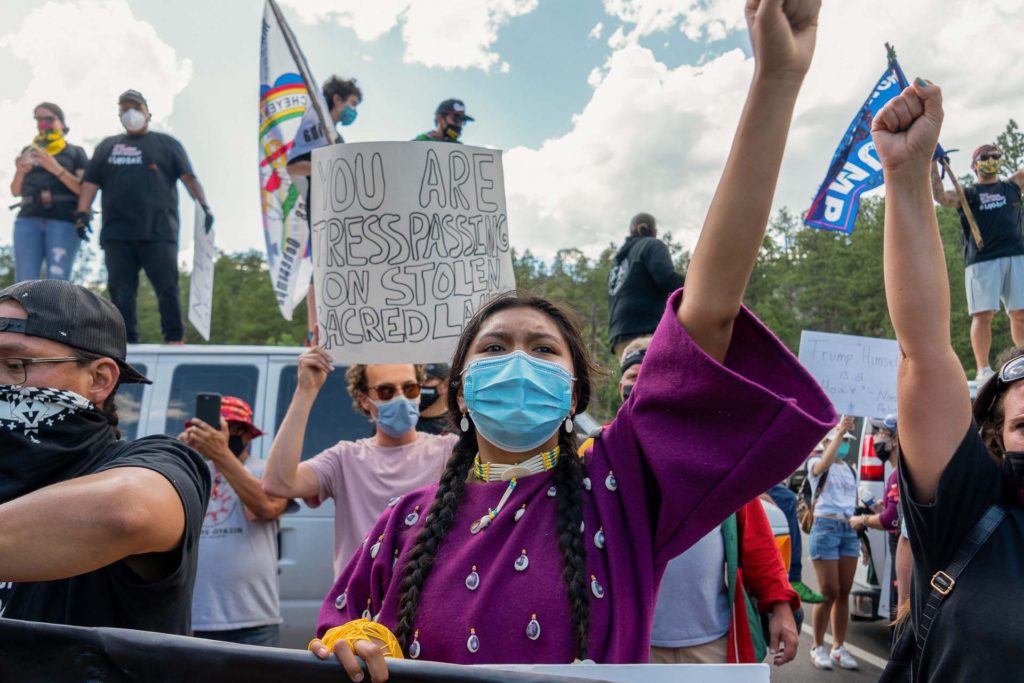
(236, 596)
(96, 531)
(434, 400)
(451, 118)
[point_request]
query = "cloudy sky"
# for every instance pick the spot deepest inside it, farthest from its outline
(603, 107)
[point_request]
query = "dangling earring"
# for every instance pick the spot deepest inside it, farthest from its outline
(464, 423)
(568, 425)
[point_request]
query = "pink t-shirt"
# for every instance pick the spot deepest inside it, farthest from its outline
(362, 477)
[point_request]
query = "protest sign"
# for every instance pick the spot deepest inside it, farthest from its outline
(200, 291)
(857, 373)
(408, 240)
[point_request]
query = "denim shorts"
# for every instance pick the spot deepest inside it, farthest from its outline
(832, 539)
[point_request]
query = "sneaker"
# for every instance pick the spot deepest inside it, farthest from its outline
(820, 658)
(843, 658)
(806, 594)
(983, 374)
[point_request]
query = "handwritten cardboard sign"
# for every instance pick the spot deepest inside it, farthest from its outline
(200, 292)
(857, 373)
(408, 240)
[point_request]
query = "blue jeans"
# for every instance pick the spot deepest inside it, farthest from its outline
(832, 539)
(786, 501)
(43, 239)
(267, 636)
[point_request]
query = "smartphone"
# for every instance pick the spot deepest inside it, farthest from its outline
(208, 408)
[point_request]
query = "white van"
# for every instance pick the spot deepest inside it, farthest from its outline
(265, 376)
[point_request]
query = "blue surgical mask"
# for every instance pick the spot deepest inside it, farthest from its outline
(844, 450)
(348, 116)
(517, 401)
(397, 416)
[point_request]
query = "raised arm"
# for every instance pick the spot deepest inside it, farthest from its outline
(832, 449)
(946, 198)
(932, 395)
(782, 35)
(80, 525)
(285, 476)
(1018, 178)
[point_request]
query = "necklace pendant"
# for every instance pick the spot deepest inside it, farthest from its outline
(520, 512)
(413, 517)
(599, 538)
(533, 628)
(414, 647)
(473, 580)
(341, 601)
(473, 642)
(480, 524)
(515, 472)
(522, 562)
(610, 482)
(375, 548)
(596, 588)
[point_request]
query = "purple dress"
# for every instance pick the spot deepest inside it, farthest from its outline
(695, 441)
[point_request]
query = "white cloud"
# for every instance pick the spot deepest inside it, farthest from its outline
(454, 34)
(595, 33)
(119, 52)
(706, 20)
(655, 138)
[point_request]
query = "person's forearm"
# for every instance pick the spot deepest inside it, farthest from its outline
(70, 180)
(733, 231)
(249, 488)
(83, 524)
(19, 177)
(195, 188)
(916, 285)
(86, 194)
(280, 474)
(938, 191)
(303, 169)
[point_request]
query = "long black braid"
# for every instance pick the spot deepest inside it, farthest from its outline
(568, 478)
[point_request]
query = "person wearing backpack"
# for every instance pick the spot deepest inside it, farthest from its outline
(834, 545)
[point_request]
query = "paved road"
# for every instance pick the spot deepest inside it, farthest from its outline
(871, 637)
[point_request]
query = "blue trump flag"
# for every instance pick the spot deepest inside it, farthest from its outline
(855, 167)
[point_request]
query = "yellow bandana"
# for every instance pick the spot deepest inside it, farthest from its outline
(52, 141)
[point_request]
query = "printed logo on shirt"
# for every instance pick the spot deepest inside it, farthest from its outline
(6, 588)
(989, 201)
(222, 503)
(617, 277)
(125, 155)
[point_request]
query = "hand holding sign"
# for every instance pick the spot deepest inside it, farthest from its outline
(408, 239)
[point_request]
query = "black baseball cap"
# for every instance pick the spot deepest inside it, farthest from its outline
(133, 96)
(437, 370)
(457, 106)
(72, 315)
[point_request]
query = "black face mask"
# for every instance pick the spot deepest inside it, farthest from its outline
(452, 131)
(1013, 469)
(47, 436)
(428, 396)
(236, 445)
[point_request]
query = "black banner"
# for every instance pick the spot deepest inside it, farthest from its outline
(31, 652)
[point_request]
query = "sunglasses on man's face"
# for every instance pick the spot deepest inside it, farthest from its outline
(45, 119)
(990, 156)
(386, 392)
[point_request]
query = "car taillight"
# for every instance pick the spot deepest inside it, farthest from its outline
(871, 467)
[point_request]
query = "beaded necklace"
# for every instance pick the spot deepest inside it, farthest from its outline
(485, 471)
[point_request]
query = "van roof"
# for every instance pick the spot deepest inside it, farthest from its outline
(214, 349)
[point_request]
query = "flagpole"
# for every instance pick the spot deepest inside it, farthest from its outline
(890, 53)
(300, 62)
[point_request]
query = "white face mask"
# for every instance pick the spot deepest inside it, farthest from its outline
(133, 120)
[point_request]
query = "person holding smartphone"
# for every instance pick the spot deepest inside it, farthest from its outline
(365, 475)
(47, 177)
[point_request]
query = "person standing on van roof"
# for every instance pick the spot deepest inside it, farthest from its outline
(434, 399)
(451, 118)
(639, 283)
(96, 531)
(236, 596)
(364, 476)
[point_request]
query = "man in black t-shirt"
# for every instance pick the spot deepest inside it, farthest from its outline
(95, 531)
(138, 173)
(993, 274)
(434, 399)
(639, 282)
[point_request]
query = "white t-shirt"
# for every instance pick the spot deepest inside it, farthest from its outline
(839, 497)
(361, 477)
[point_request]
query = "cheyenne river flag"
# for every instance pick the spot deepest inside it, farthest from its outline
(284, 98)
(855, 167)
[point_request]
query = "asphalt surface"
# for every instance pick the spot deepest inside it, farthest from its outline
(867, 641)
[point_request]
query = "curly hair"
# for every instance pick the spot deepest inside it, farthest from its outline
(568, 477)
(358, 384)
(991, 427)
